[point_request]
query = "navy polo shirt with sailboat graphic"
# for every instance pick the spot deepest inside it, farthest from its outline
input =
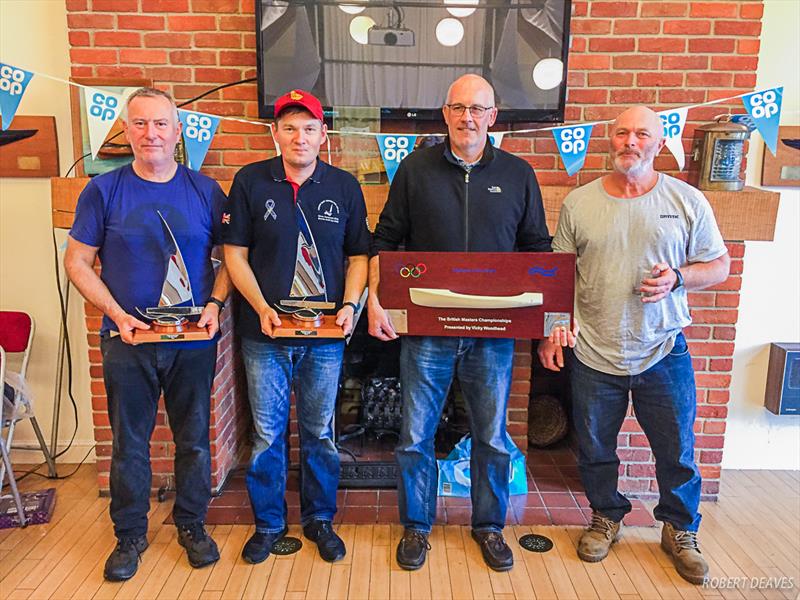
(261, 215)
(117, 213)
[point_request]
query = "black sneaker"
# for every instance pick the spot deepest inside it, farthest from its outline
(200, 548)
(124, 560)
(331, 547)
(259, 546)
(412, 549)
(496, 553)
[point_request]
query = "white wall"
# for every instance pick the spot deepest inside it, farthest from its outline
(770, 296)
(33, 35)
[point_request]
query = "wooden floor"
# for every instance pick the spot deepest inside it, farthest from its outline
(751, 539)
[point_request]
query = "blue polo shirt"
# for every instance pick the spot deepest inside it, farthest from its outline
(260, 215)
(117, 212)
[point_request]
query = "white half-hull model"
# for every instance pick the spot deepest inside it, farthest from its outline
(439, 298)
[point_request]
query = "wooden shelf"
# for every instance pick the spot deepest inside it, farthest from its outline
(749, 214)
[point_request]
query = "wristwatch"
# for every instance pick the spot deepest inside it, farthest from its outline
(216, 301)
(356, 306)
(678, 281)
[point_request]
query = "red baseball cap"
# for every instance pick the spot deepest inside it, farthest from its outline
(302, 99)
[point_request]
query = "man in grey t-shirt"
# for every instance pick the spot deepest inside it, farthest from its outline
(642, 239)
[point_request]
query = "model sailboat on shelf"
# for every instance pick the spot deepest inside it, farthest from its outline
(170, 321)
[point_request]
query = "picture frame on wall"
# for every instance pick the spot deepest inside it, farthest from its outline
(115, 152)
(783, 169)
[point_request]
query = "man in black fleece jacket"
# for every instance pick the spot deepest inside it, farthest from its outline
(459, 196)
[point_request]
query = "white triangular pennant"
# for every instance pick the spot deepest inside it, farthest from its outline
(673, 122)
(102, 110)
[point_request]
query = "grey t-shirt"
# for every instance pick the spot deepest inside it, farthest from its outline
(617, 241)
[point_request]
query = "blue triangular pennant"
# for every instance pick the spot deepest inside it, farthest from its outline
(198, 131)
(765, 109)
(572, 142)
(394, 148)
(13, 82)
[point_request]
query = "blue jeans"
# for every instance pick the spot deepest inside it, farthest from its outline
(272, 368)
(134, 377)
(665, 406)
(427, 367)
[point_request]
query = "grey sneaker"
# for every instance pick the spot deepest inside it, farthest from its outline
(597, 539)
(682, 547)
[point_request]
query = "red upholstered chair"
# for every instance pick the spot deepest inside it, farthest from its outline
(16, 337)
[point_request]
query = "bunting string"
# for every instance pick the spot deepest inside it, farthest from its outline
(103, 107)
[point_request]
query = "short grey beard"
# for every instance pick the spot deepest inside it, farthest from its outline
(644, 166)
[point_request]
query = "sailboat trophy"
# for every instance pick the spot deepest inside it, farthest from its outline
(170, 322)
(306, 318)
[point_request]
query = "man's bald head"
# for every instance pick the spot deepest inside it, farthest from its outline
(639, 117)
(471, 85)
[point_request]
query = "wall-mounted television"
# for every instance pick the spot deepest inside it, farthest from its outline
(401, 56)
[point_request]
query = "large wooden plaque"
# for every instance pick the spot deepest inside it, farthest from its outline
(470, 294)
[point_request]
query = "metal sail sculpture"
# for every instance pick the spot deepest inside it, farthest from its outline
(177, 288)
(309, 279)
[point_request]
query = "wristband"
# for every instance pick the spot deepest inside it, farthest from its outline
(678, 281)
(216, 301)
(356, 306)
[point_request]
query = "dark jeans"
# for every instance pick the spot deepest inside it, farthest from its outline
(427, 367)
(665, 406)
(134, 377)
(272, 369)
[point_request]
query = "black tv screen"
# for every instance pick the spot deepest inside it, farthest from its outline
(401, 56)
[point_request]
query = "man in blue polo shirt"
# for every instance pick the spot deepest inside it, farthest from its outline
(120, 218)
(296, 227)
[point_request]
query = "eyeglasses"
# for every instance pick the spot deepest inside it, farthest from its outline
(476, 110)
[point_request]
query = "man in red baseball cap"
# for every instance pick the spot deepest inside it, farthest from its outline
(302, 99)
(294, 210)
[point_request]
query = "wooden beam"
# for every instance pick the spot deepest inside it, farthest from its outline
(749, 214)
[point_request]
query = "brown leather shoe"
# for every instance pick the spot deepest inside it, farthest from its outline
(682, 547)
(496, 553)
(412, 549)
(597, 539)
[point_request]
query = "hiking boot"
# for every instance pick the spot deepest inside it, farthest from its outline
(259, 545)
(496, 552)
(597, 539)
(412, 549)
(682, 547)
(124, 560)
(200, 548)
(331, 547)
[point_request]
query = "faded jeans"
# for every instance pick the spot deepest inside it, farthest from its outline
(427, 367)
(272, 369)
(665, 406)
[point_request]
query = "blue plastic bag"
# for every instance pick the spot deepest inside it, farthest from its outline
(454, 476)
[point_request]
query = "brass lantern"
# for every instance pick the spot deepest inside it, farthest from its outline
(719, 146)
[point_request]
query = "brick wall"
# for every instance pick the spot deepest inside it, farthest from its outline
(664, 54)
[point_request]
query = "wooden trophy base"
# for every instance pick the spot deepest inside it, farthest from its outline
(186, 332)
(325, 327)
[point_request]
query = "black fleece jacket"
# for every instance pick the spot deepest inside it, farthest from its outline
(434, 205)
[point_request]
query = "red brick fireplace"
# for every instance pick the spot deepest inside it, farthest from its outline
(663, 54)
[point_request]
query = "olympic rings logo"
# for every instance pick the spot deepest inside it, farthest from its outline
(411, 270)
